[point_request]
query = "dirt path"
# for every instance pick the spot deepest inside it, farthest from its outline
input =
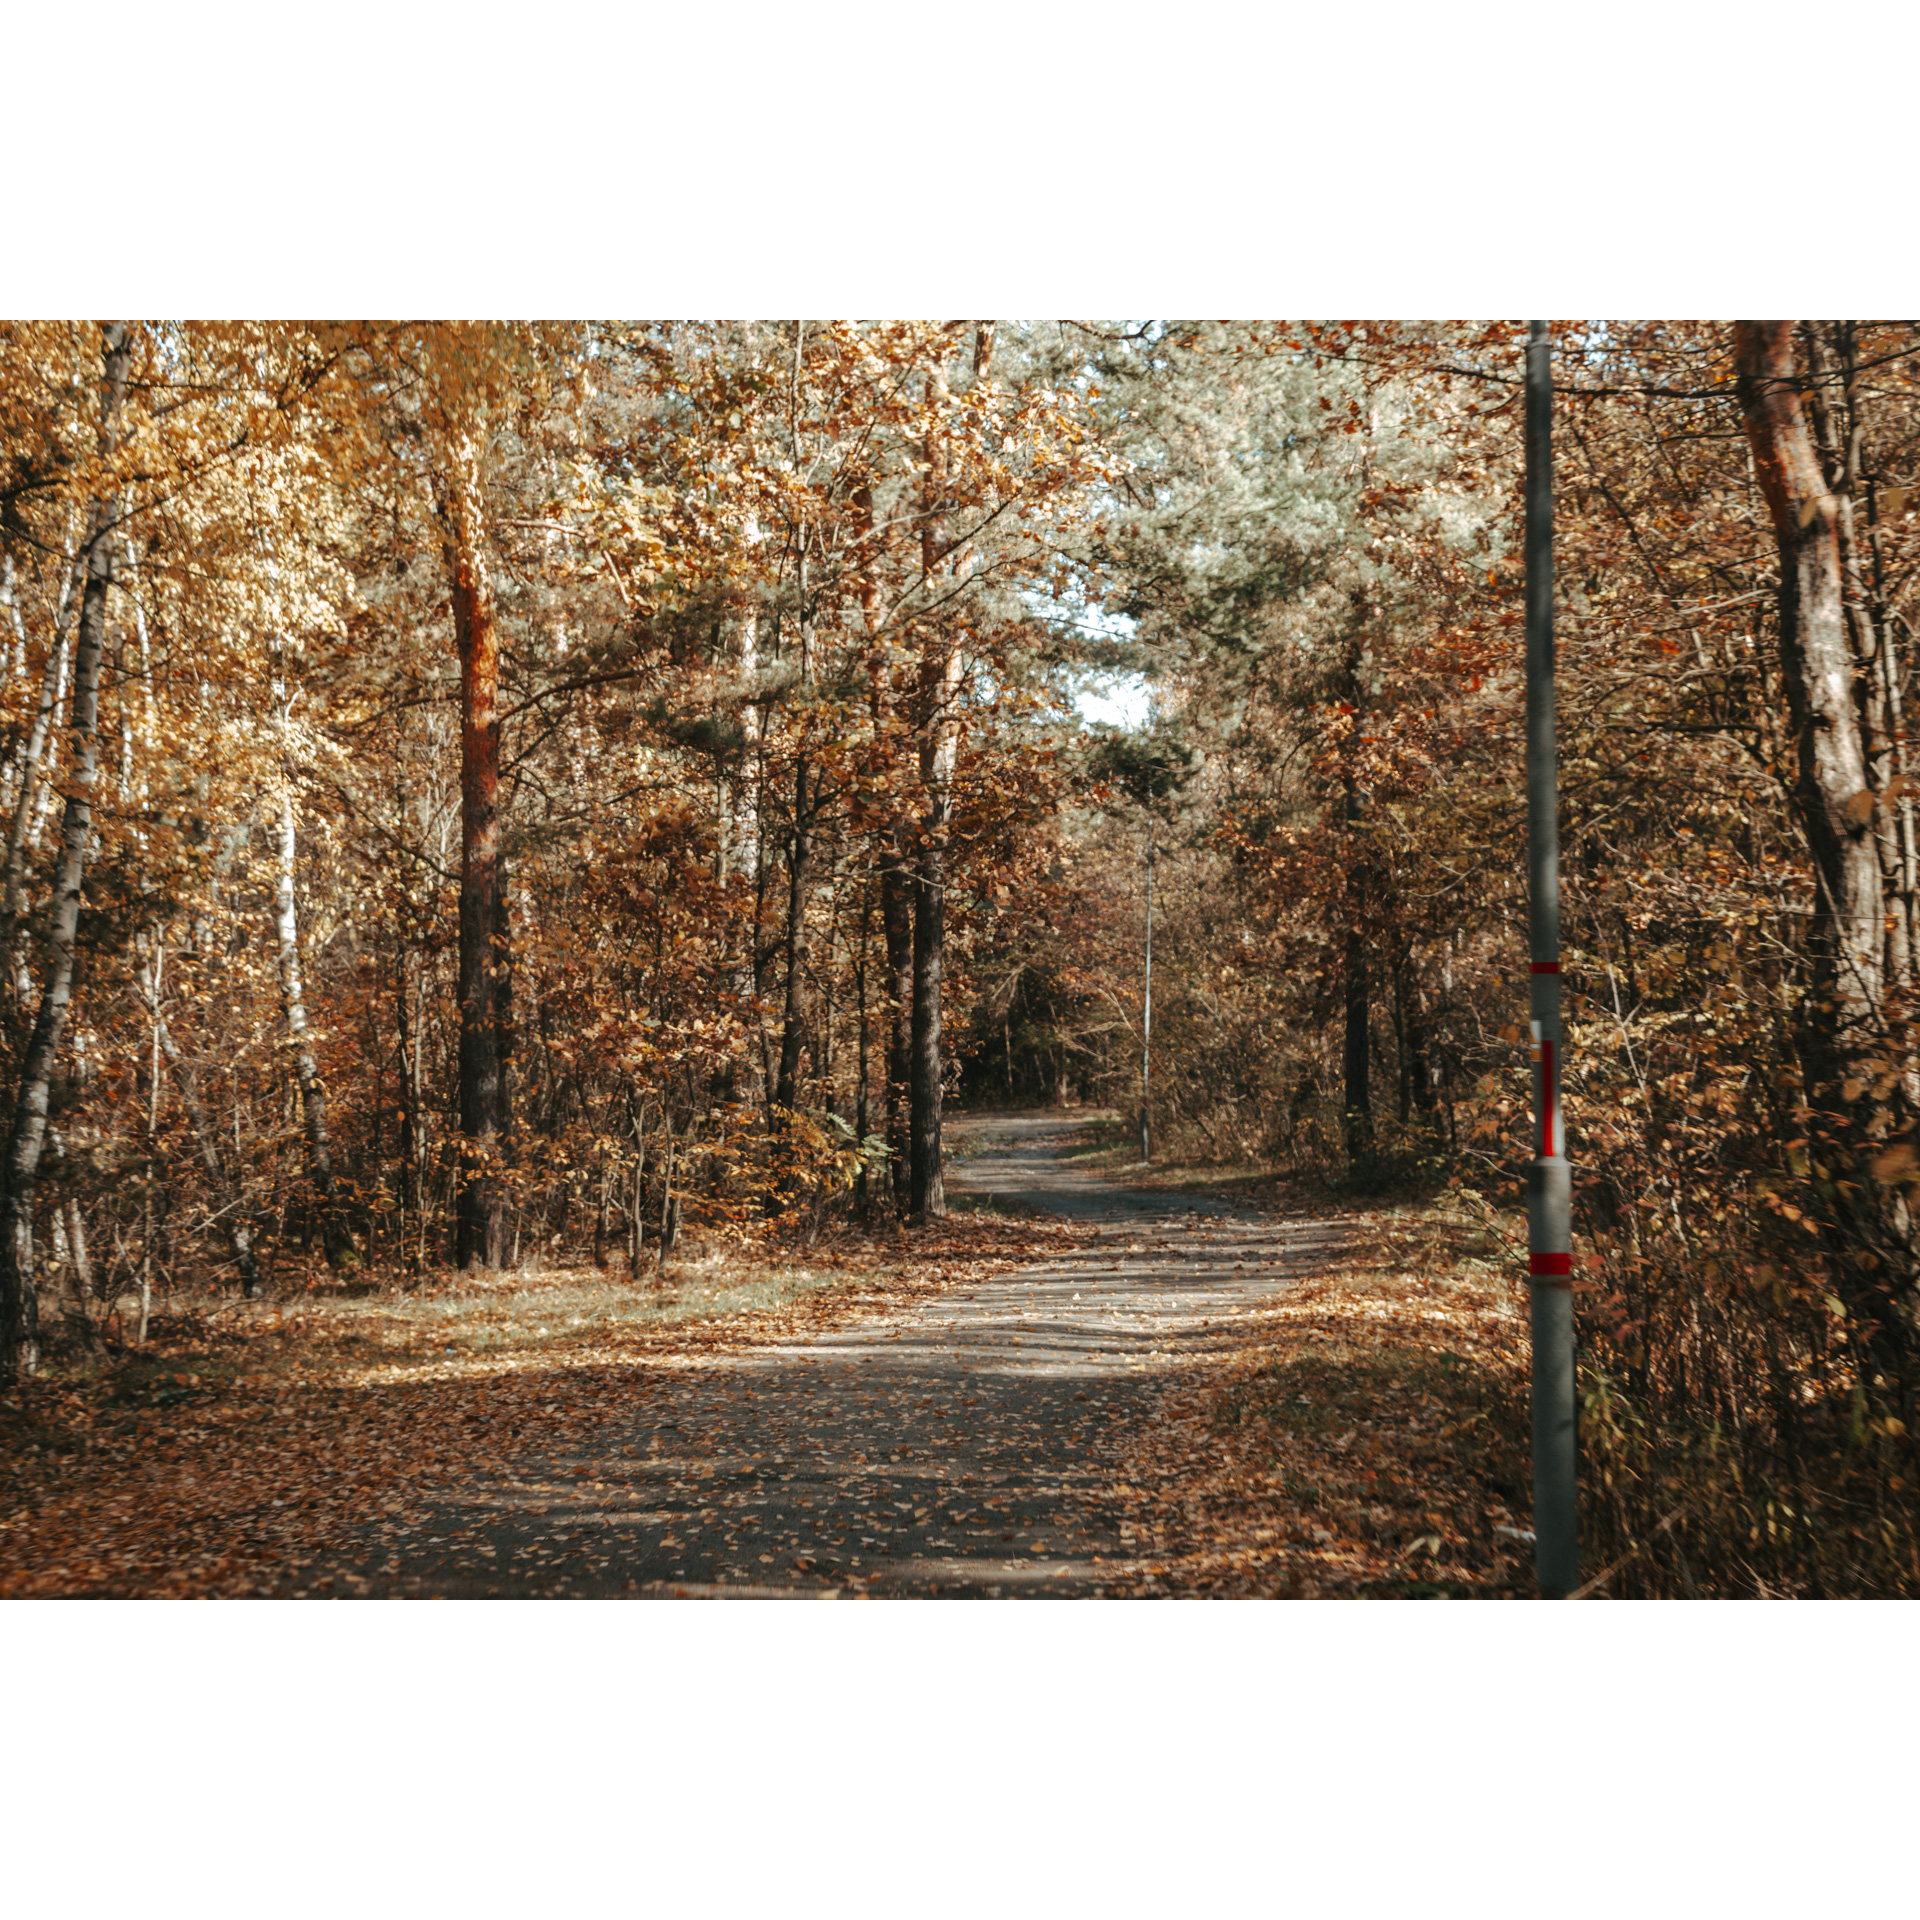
(961, 1447)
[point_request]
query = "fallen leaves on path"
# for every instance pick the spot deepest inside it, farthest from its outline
(246, 1445)
(1363, 1434)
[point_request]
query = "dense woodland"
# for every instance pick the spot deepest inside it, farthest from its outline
(510, 794)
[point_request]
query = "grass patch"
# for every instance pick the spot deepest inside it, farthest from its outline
(320, 1328)
(554, 1310)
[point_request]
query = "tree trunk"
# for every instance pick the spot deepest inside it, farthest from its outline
(636, 1216)
(1402, 1048)
(53, 673)
(862, 1112)
(799, 954)
(894, 874)
(480, 1234)
(77, 1251)
(313, 1092)
(19, 1299)
(233, 1223)
(76, 1228)
(928, 1199)
(1843, 1033)
(1356, 1079)
(1877, 693)
(939, 742)
(148, 1179)
(1419, 1046)
(821, 1034)
(1357, 1094)
(602, 1213)
(44, 797)
(747, 861)
(896, 921)
(412, 1188)
(759, 950)
(669, 1196)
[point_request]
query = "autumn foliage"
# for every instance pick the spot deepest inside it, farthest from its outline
(504, 736)
(1326, 570)
(510, 797)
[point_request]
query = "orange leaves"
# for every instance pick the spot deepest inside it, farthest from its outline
(275, 1446)
(1362, 1433)
(1896, 1162)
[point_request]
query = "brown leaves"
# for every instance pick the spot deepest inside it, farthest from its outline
(240, 1455)
(1895, 1162)
(1363, 1436)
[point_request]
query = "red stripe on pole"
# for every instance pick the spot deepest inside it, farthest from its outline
(1549, 1103)
(1541, 1265)
(1545, 966)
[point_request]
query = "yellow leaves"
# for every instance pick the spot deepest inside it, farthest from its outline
(1894, 1162)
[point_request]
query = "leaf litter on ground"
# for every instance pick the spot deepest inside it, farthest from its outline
(1362, 1433)
(247, 1443)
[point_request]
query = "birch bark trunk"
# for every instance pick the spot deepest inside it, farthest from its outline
(19, 1300)
(52, 679)
(234, 1225)
(896, 923)
(1817, 655)
(412, 1187)
(313, 1092)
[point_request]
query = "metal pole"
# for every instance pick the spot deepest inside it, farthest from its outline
(1556, 1552)
(1146, 1022)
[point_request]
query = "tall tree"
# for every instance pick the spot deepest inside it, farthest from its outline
(1357, 1050)
(480, 1234)
(941, 668)
(796, 1012)
(313, 1092)
(19, 1301)
(1832, 684)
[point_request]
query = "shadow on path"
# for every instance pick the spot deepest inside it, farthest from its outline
(960, 1447)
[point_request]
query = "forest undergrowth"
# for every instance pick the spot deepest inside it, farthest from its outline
(1368, 1435)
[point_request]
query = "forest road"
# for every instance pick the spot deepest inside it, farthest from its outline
(965, 1446)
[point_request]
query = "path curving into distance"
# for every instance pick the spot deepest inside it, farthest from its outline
(959, 1447)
